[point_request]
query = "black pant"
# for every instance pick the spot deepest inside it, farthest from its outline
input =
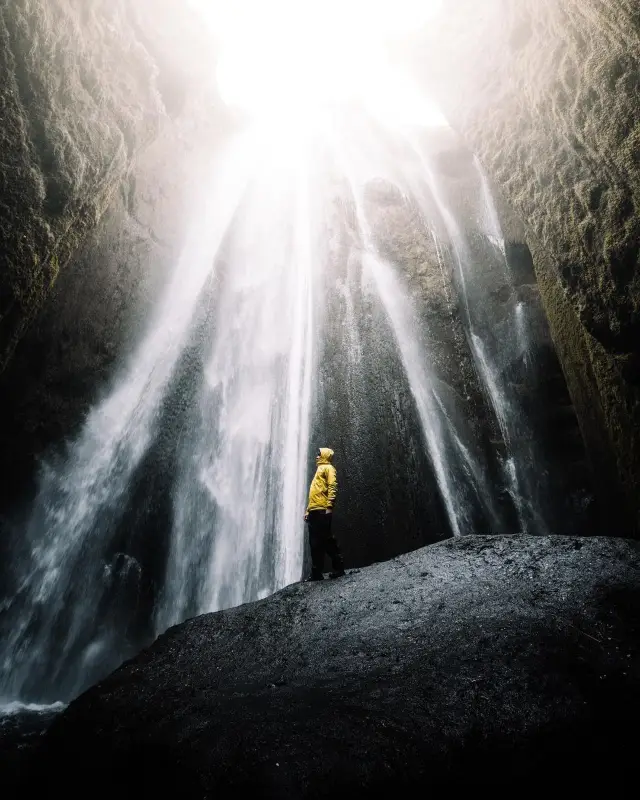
(322, 541)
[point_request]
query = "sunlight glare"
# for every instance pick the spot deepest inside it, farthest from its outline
(296, 58)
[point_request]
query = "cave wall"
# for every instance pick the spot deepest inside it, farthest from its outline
(557, 493)
(546, 94)
(85, 85)
(127, 87)
(94, 107)
(546, 434)
(97, 310)
(390, 502)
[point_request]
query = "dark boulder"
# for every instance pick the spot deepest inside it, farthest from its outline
(21, 728)
(481, 660)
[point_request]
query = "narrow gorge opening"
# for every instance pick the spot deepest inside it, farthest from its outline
(289, 247)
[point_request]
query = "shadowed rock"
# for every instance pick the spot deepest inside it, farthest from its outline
(84, 89)
(481, 660)
(545, 94)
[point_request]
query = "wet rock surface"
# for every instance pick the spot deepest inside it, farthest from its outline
(364, 406)
(558, 91)
(21, 729)
(481, 660)
(98, 309)
(545, 94)
(86, 87)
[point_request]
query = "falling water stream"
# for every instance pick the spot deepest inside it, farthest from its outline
(251, 265)
(56, 626)
(242, 464)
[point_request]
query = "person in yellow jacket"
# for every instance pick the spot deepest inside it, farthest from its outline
(322, 497)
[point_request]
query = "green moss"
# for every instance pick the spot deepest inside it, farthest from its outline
(55, 269)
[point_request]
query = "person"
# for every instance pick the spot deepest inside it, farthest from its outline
(322, 497)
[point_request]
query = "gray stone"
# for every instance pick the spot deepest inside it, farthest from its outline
(545, 93)
(84, 89)
(491, 661)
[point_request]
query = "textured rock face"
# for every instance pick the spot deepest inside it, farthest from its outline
(126, 86)
(389, 502)
(98, 309)
(82, 91)
(546, 94)
(364, 405)
(479, 661)
(451, 308)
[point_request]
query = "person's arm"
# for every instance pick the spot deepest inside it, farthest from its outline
(306, 513)
(332, 486)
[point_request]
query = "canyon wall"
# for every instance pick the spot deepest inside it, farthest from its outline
(545, 93)
(96, 108)
(85, 88)
(108, 114)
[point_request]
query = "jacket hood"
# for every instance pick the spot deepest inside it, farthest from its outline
(326, 454)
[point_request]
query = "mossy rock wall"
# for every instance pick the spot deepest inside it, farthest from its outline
(85, 86)
(546, 94)
(107, 106)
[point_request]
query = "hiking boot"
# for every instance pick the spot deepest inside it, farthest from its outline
(315, 576)
(337, 573)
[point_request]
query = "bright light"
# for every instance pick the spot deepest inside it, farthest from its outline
(284, 58)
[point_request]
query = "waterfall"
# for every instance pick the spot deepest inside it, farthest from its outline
(497, 335)
(230, 365)
(63, 622)
(460, 473)
(453, 478)
(243, 464)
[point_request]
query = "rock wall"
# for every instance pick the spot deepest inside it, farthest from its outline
(390, 501)
(85, 86)
(92, 100)
(109, 107)
(97, 310)
(505, 308)
(546, 94)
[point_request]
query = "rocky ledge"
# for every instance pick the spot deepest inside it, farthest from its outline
(482, 660)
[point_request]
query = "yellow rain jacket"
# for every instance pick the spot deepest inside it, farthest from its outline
(324, 486)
